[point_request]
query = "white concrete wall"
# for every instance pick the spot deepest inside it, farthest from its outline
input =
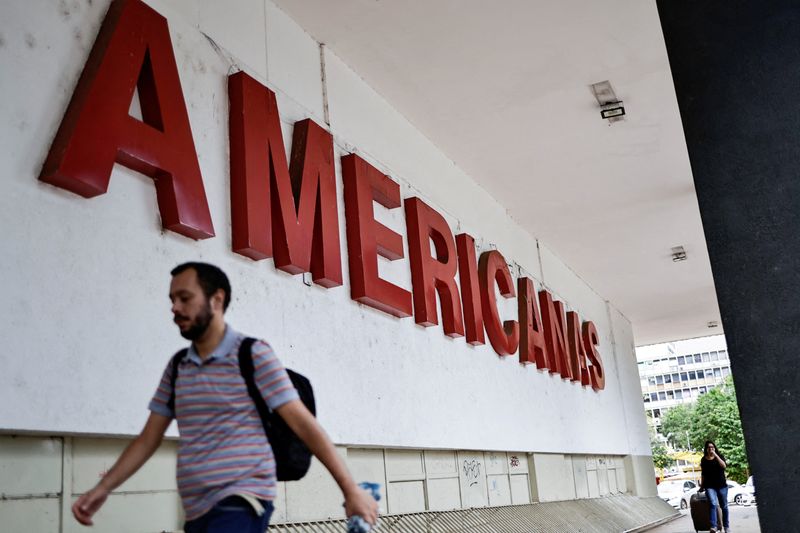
(86, 320)
(41, 477)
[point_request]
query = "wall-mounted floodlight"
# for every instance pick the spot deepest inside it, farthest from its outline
(678, 254)
(611, 107)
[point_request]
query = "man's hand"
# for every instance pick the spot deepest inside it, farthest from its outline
(361, 503)
(88, 504)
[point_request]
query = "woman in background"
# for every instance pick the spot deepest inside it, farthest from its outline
(712, 479)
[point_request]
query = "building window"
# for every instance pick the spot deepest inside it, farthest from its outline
(718, 373)
(651, 380)
(678, 395)
(706, 358)
(662, 396)
(653, 397)
(692, 374)
(709, 373)
(726, 372)
(646, 398)
(660, 380)
(670, 395)
(698, 358)
(723, 355)
(703, 390)
(656, 413)
(667, 378)
(681, 361)
(676, 378)
(684, 376)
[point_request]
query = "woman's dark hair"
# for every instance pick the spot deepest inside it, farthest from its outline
(705, 446)
(211, 278)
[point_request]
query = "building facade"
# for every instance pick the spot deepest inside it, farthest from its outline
(456, 360)
(680, 372)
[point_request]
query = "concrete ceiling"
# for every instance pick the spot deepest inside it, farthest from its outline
(502, 88)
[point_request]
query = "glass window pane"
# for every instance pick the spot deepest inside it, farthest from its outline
(684, 376)
(717, 373)
(681, 360)
(698, 358)
(662, 396)
(653, 397)
(705, 357)
(660, 380)
(678, 395)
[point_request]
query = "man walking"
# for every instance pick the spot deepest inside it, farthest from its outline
(226, 469)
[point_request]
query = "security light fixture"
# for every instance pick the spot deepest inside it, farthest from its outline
(611, 107)
(678, 254)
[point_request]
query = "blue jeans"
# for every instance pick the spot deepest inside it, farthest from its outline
(231, 515)
(717, 496)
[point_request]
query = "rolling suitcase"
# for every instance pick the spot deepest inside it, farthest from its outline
(701, 517)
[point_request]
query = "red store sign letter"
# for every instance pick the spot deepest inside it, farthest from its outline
(366, 237)
(288, 211)
(133, 49)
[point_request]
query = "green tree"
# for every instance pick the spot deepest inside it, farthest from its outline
(661, 458)
(676, 425)
(716, 417)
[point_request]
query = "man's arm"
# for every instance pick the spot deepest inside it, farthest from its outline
(356, 500)
(134, 456)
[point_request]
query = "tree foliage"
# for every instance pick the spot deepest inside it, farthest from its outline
(716, 417)
(676, 426)
(661, 458)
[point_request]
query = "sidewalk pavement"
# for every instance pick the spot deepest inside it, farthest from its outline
(743, 519)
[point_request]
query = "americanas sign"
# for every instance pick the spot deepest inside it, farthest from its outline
(287, 210)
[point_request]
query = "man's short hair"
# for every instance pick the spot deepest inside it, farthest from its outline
(211, 278)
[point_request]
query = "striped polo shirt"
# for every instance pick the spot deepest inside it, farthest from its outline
(223, 449)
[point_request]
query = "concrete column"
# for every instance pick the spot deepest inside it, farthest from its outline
(736, 67)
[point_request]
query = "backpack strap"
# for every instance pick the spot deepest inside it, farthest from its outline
(248, 373)
(176, 361)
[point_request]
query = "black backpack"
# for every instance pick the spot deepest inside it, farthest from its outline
(292, 456)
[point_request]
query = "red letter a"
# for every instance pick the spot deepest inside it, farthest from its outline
(133, 48)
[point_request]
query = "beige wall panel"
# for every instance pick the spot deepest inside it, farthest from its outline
(472, 479)
(444, 494)
(553, 477)
(316, 496)
(496, 463)
(441, 463)
(368, 465)
(612, 481)
(594, 483)
(30, 516)
(404, 465)
(135, 513)
(30, 465)
(499, 490)
(279, 514)
(520, 489)
(640, 476)
(621, 478)
(579, 473)
(518, 463)
(602, 476)
(406, 497)
(91, 458)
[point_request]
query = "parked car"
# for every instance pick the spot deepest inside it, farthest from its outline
(737, 495)
(672, 491)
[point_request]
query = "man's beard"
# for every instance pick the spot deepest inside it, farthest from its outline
(199, 325)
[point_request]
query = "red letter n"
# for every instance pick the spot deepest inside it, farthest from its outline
(555, 334)
(532, 342)
(430, 275)
(288, 212)
(366, 237)
(132, 49)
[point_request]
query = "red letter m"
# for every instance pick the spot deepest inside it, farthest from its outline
(288, 213)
